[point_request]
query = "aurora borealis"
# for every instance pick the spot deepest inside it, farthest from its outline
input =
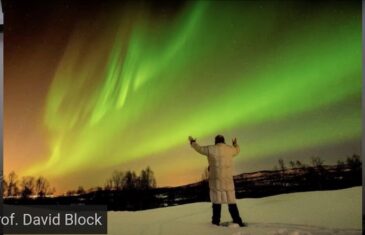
(90, 89)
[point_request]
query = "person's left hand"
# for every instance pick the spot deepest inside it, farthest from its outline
(234, 142)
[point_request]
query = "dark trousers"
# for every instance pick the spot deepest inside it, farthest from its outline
(233, 210)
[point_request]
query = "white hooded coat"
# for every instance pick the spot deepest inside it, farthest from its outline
(220, 158)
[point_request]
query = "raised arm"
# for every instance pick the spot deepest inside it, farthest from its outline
(200, 149)
(236, 147)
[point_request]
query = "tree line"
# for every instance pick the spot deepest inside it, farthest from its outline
(123, 181)
(353, 162)
(126, 190)
(29, 186)
(128, 181)
(26, 187)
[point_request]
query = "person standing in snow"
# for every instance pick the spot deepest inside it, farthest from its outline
(221, 185)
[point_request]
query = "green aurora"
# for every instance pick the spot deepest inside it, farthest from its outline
(141, 85)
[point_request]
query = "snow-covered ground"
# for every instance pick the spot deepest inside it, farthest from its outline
(323, 212)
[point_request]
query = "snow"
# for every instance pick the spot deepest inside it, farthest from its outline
(319, 212)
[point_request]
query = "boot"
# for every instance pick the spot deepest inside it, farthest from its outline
(233, 210)
(216, 218)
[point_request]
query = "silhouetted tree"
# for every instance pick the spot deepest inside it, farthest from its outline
(42, 186)
(80, 190)
(98, 189)
(27, 185)
(299, 164)
(70, 193)
(116, 181)
(130, 180)
(108, 184)
(147, 179)
(12, 189)
(354, 162)
(282, 166)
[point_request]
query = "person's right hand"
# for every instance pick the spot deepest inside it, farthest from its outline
(191, 139)
(234, 141)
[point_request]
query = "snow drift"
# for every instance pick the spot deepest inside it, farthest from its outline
(319, 212)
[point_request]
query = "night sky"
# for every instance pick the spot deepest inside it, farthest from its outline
(92, 88)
